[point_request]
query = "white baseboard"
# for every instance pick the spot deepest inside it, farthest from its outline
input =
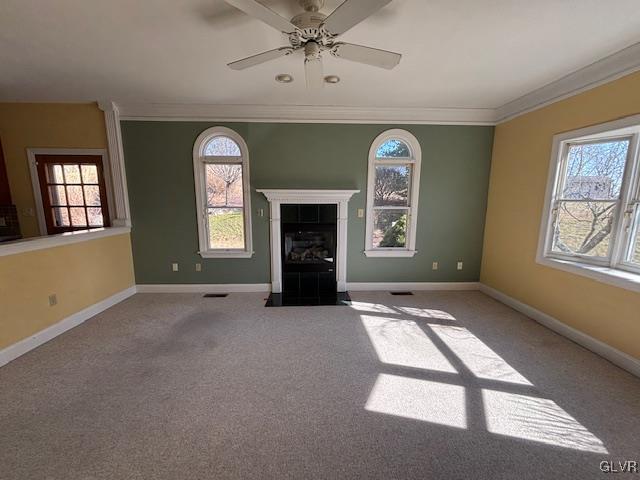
(23, 346)
(400, 286)
(623, 360)
(205, 288)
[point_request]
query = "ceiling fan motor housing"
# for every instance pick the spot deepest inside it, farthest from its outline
(308, 24)
(311, 5)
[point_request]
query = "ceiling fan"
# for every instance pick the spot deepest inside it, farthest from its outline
(316, 33)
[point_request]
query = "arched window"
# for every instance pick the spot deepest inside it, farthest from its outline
(392, 195)
(221, 172)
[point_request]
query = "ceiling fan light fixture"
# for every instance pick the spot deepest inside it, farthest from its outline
(332, 79)
(284, 78)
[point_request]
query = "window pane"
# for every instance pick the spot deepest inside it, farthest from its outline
(54, 174)
(635, 257)
(226, 227)
(389, 228)
(595, 170)
(584, 228)
(78, 217)
(222, 147)
(57, 195)
(224, 185)
(61, 217)
(95, 217)
(89, 173)
(393, 149)
(72, 174)
(92, 195)
(634, 253)
(74, 194)
(392, 185)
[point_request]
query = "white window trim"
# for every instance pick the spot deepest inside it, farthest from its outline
(415, 161)
(613, 270)
(199, 162)
(35, 182)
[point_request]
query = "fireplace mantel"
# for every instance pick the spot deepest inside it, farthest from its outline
(277, 197)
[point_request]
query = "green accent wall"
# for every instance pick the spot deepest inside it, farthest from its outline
(453, 194)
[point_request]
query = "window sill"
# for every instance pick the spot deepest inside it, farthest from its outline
(608, 275)
(226, 254)
(390, 253)
(50, 241)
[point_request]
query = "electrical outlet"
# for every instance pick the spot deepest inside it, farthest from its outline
(360, 212)
(261, 212)
(434, 266)
(198, 267)
(53, 299)
(459, 265)
(174, 267)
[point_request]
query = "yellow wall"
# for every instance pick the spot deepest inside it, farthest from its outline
(40, 125)
(80, 274)
(520, 165)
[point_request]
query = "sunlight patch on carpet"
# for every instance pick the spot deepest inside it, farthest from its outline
(538, 420)
(422, 400)
(404, 343)
(476, 356)
(427, 313)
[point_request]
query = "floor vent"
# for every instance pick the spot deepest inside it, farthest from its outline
(401, 293)
(215, 295)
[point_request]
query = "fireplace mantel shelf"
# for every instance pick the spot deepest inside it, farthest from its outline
(301, 195)
(277, 197)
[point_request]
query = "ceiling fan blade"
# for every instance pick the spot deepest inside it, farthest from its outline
(350, 13)
(313, 73)
(268, 16)
(366, 55)
(254, 60)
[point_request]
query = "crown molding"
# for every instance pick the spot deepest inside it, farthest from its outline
(603, 71)
(305, 114)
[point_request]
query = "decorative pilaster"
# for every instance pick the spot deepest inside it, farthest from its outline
(116, 161)
(276, 258)
(341, 267)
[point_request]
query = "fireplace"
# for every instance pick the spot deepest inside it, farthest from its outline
(308, 246)
(309, 250)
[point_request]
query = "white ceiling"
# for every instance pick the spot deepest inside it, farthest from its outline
(456, 54)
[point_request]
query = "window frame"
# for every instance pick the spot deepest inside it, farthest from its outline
(33, 152)
(414, 161)
(42, 162)
(199, 163)
(616, 268)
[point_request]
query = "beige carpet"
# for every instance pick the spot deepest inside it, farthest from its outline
(436, 385)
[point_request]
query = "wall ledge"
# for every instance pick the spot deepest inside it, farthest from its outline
(41, 243)
(615, 356)
(23, 346)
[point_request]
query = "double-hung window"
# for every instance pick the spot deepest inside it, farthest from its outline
(221, 171)
(392, 195)
(591, 224)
